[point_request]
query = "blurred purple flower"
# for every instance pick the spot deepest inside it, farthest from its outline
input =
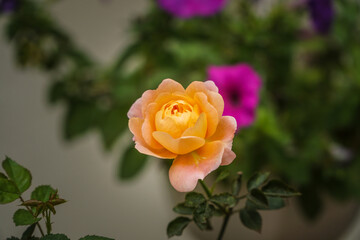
(239, 85)
(192, 8)
(8, 5)
(322, 14)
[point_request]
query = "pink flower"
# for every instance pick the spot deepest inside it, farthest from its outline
(192, 8)
(239, 85)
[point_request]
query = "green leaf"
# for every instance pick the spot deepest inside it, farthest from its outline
(80, 117)
(276, 188)
(112, 125)
(28, 232)
(42, 193)
(258, 198)
(203, 212)
(194, 199)
(257, 180)
(8, 191)
(23, 217)
(236, 186)
(55, 237)
(181, 208)
(203, 226)
(93, 237)
(18, 174)
(224, 199)
(177, 226)
(2, 176)
(251, 219)
(131, 163)
(274, 204)
(224, 174)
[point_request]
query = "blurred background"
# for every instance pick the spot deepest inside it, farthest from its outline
(70, 70)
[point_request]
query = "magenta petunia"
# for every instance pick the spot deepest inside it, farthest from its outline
(239, 85)
(192, 8)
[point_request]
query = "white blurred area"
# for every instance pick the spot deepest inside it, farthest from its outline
(30, 133)
(98, 203)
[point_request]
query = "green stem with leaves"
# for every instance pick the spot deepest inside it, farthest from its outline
(37, 224)
(228, 212)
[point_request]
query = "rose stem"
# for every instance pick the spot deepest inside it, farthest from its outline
(41, 231)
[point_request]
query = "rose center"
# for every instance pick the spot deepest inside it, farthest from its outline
(176, 116)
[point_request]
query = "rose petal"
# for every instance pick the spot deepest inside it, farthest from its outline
(182, 145)
(187, 169)
(168, 85)
(199, 129)
(135, 127)
(135, 109)
(210, 90)
(210, 85)
(167, 125)
(210, 111)
(148, 126)
(147, 98)
(225, 129)
(228, 157)
(164, 98)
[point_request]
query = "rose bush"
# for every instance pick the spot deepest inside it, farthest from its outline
(185, 125)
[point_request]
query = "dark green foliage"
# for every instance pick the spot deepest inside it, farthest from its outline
(8, 191)
(310, 202)
(18, 174)
(276, 188)
(183, 209)
(42, 193)
(42, 203)
(258, 198)
(274, 203)
(257, 180)
(2, 176)
(251, 219)
(132, 162)
(24, 217)
(112, 124)
(194, 199)
(177, 226)
(224, 204)
(93, 237)
(55, 237)
(27, 235)
(202, 215)
(80, 118)
(226, 199)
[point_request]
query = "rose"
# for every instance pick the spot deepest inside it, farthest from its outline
(186, 125)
